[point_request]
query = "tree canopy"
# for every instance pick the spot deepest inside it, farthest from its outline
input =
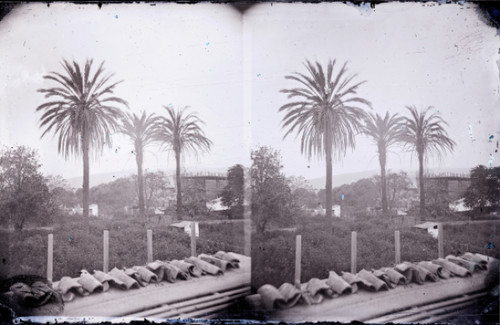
(24, 194)
(271, 196)
(233, 193)
(484, 189)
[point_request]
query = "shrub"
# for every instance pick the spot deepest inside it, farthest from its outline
(77, 248)
(273, 254)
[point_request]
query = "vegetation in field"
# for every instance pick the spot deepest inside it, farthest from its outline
(24, 192)
(75, 248)
(273, 252)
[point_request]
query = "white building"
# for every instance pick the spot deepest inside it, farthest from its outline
(93, 210)
(186, 225)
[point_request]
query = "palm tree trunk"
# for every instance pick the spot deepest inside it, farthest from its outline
(86, 187)
(383, 181)
(178, 180)
(140, 179)
(329, 181)
(421, 182)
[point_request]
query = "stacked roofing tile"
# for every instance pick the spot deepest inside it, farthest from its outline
(316, 290)
(140, 276)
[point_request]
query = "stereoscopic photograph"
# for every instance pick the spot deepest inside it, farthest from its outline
(250, 161)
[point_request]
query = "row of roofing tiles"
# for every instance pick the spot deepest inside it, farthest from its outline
(314, 291)
(154, 272)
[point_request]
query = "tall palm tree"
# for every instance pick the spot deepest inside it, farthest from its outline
(142, 131)
(325, 111)
(385, 132)
(82, 112)
(424, 133)
(182, 133)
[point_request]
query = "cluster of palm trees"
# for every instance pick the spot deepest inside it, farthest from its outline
(83, 112)
(327, 113)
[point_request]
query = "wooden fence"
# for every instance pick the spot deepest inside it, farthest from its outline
(354, 249)
(105, 262)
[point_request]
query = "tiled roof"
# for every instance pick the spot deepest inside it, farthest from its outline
(335, 298)
(140, 289)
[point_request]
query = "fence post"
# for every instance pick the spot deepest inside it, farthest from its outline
(298, 258)
(50, 257)
(397, 247)
(105, 253)
(150, 245)
(354, 248)
(247, 231)
(440, 241)
(193, 239)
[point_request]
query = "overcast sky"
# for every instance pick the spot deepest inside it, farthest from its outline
(229, 68)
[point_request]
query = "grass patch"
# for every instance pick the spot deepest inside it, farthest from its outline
(75, 248)
(324, 249)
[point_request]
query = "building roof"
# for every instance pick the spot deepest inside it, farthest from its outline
(380, 295)
(143, 295)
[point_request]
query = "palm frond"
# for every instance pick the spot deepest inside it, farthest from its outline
(77, 106)
(324, 113)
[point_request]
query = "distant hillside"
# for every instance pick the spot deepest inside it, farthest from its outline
(96, 179)
(102, 178)
(341, 179)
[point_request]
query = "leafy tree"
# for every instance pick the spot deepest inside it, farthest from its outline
(437, 200)
(385, 132)
(399, 190)
(62, 195)
(271, 195)
(233, 193)
(181, 133)
(82, 112)
(424, 133)
(357, 197)
(156, 186)
(484, 189)
(303, 193)
(399, 193)
(324, 111)
(24, 194)
(141, 130)
(114, 196)
(195, 198)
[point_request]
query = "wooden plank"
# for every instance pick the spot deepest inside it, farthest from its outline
(193, 239)
(397, 247)
(206, 311)
(298, 257)
(434, 312)
(436, 319)
(105, 252)
(150, 245)
(440, 241)
(354, 252)
(201, 306)
(182, 304)
(50, 257)
(417, 310)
